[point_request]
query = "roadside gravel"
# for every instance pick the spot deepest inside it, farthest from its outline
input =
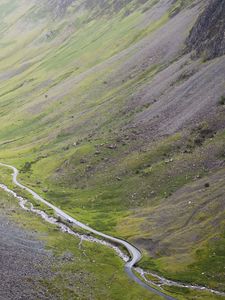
(23, 262)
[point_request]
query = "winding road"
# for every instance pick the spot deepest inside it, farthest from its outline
(135, 254)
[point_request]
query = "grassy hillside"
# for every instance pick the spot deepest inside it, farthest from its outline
(108, 116)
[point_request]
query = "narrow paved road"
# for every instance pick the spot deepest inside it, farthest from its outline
(134, 252)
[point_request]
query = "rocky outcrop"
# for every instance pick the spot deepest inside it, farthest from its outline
(207, 37)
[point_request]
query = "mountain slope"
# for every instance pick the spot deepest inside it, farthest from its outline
(207, 36)
(114, 111)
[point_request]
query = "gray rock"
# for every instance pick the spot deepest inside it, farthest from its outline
(207, 36)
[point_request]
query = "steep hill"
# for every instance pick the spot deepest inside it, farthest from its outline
(114, 111)
(207, 36)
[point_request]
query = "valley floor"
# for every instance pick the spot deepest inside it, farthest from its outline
(39, 262)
